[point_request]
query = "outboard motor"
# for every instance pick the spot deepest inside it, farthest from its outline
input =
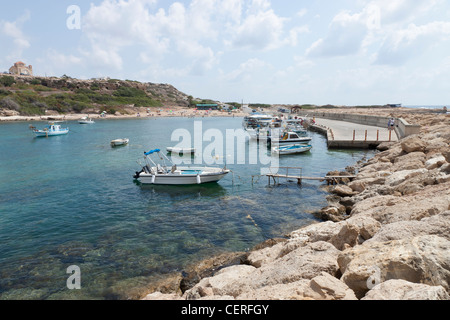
(138, 174)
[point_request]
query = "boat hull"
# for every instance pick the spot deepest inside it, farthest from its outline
(293, 150)
(180, 150)
(292, 141)
(41, 133)
(178, 178)
(119, 142)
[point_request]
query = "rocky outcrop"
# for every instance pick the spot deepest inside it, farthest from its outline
(405, 290)
(422, 259)
(387, 236)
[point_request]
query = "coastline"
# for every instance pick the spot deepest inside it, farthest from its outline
(385, 235)
(137, 113)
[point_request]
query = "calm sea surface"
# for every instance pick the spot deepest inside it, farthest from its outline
(71, 200)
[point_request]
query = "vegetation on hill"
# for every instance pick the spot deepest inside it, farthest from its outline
(35, 96)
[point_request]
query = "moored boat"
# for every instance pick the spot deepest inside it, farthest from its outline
(180, 150)
(86, 120)
(52, 129)
(119, 142)
(290, 138)
(166, 173)
(291, 149)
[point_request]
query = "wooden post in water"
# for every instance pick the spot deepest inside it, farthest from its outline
(365, 139)
(354, 135)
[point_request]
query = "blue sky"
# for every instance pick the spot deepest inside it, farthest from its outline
(344, 52)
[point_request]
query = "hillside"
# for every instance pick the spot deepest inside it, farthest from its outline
(41, 95)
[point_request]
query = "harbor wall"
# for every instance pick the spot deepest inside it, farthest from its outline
(403, 128)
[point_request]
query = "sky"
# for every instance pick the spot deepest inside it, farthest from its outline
(341, 52)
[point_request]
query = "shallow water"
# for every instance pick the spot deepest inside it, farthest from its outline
(71, 200)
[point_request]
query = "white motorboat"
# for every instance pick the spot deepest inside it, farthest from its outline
(257, 120)
(290, 138)
(295, 125)
(86, 120)
(291, 149)
(52, 129)
(259, 133)
(119, 142)
(169, 174)
(180, 150)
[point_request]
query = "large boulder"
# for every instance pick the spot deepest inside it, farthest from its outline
(435, 225)
(404, 290)
(412, 144)
(343, 191)
(435, 162)
(305, 262)
(327, 287)
(389, 209)
(423, 259)
(231, 281)
(400, 176)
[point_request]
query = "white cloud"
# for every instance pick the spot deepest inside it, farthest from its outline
(384, 24)
(13, 32)
(262, 29)
(114, 25)
(302, 13)
(414, 40)
(246, 70)
(195, 32)
(345, 37)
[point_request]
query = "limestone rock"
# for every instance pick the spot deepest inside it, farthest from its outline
(423, 259)
(267, 255)
(358, 185)
(283, 291)
(208, 267)
(327, 287)
(410, 161)
(413, 143)
(162, 296)
(303, 263)
(400, 176)
(367, 226)
(389, 209)
(385, 146)
(436, 225)
(435, 162)
(404, 290)
(230, 281)
(347, 237)
(343, 191)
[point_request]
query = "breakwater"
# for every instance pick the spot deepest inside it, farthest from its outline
(386, 236)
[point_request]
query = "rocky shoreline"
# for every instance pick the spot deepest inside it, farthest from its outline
(386, 236)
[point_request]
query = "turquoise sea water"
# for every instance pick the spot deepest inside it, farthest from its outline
(71, 200)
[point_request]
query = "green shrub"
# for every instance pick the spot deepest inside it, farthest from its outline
(129, 92)
(7, 81)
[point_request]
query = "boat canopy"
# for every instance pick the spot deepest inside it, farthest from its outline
(152, 151)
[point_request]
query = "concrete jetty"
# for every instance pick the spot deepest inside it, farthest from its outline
(359, 131)
(343, 134)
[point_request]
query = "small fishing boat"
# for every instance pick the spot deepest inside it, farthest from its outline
(166, 173)
(119, 142)
(291, 149)
(86, 120)
(180, 150)
(290, 138)
(52, 129)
